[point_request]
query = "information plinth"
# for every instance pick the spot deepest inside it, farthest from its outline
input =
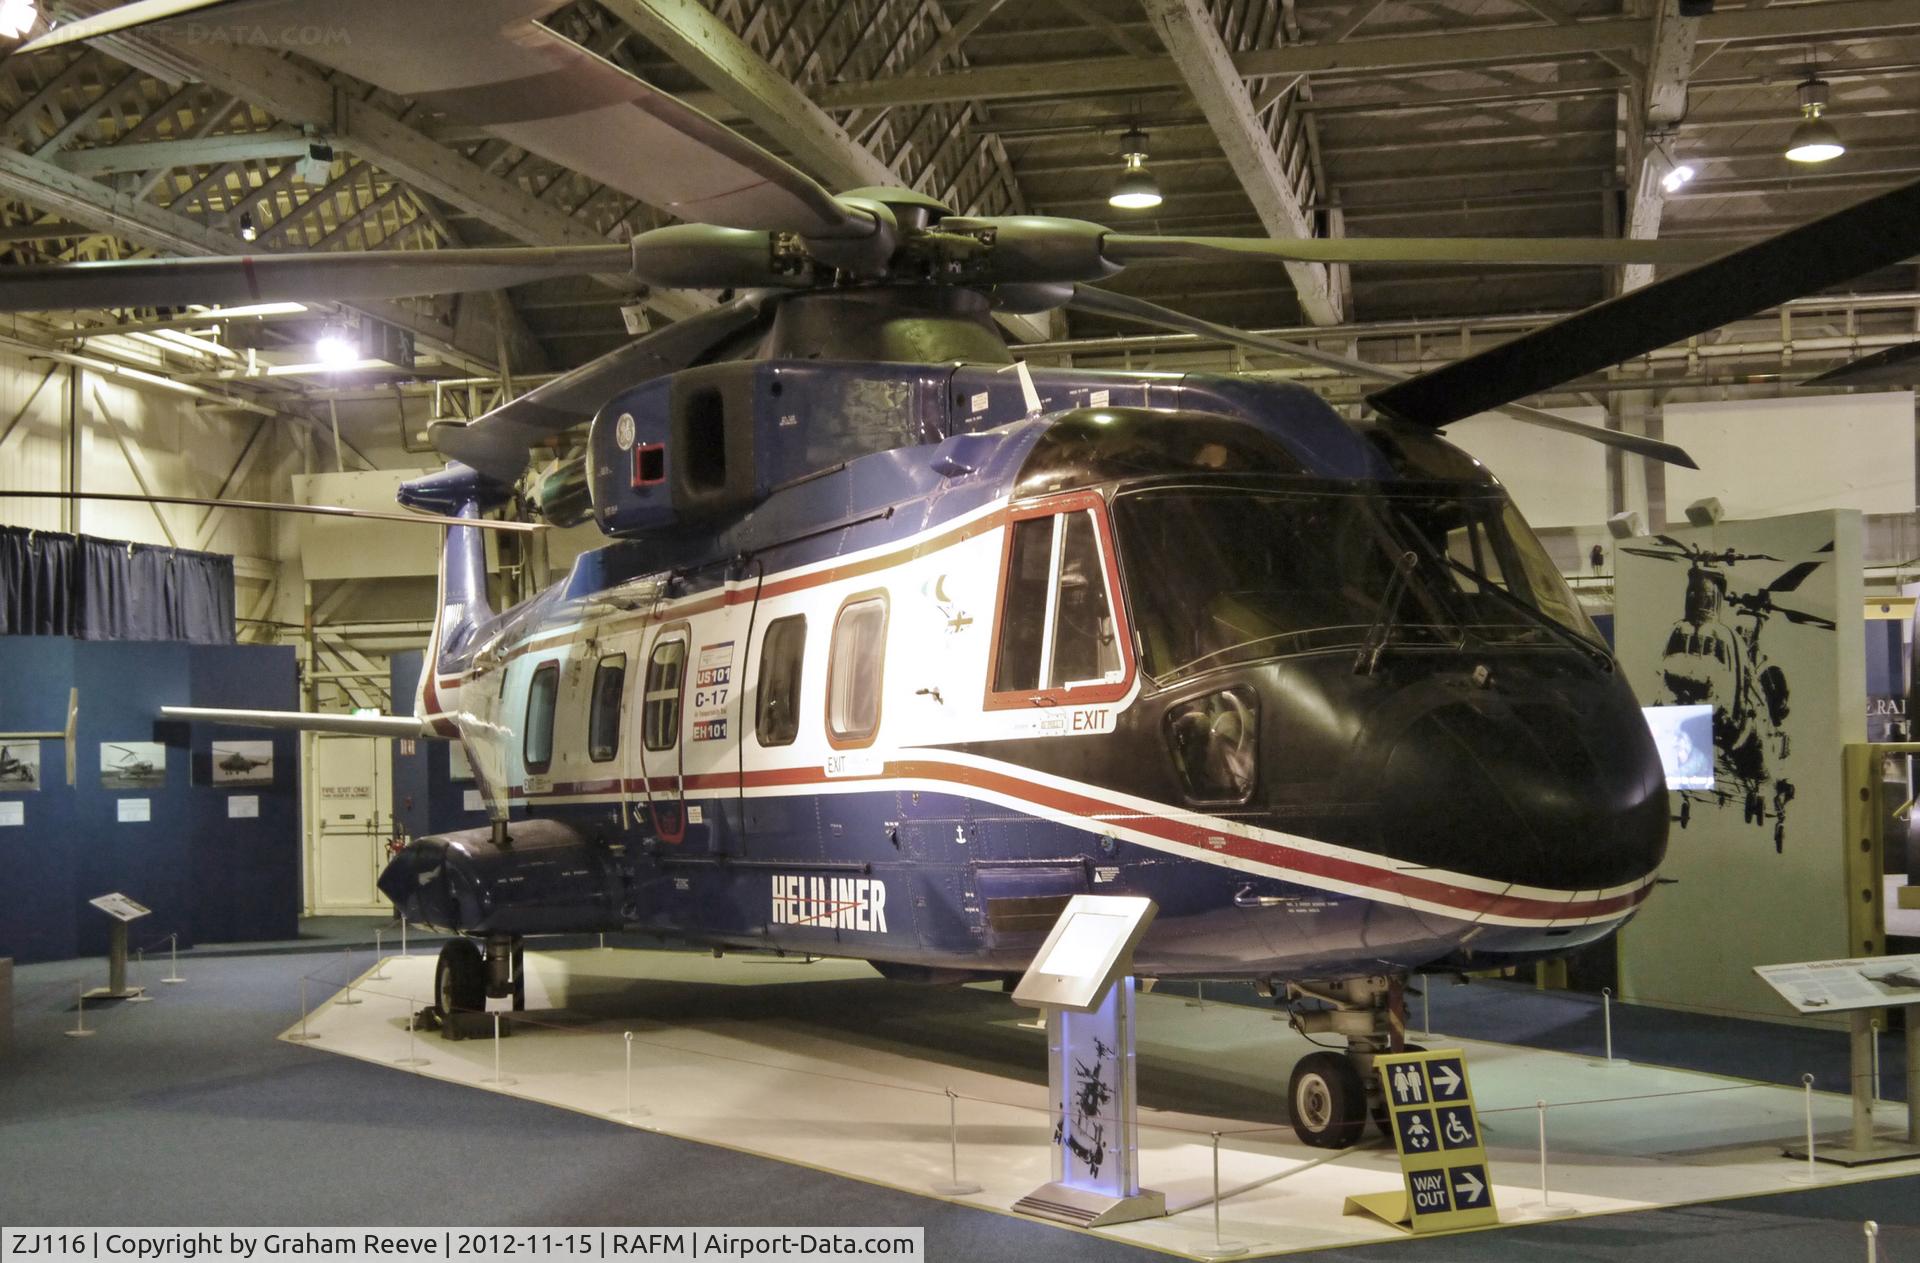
(1081, 978)
(1858, 987)
(122, 910)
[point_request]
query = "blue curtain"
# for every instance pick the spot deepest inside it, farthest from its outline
(103, 589)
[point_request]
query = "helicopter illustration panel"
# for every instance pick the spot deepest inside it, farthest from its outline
(132, 765)
(1757, 624)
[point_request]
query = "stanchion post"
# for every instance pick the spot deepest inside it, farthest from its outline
(346, 995)
(955, 1186)
(1199, 1000)
(1426, 1013)
(1546, 1198)
(629, 1111)
(413, 1057)
(1806, 1082)
(1872, 1231)
(498, 1080)
(80, 1030)
(173, 970)
(1875, 1026)
(379, 973)
(1860, 1089)
(1913, 1075)
(304, 1034)
(139, 995)
(1220, 1249)
(403, 936)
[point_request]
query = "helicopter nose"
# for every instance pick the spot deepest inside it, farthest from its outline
(1539, 794)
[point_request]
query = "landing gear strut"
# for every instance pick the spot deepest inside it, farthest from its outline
(1332, 1094)
(464, 979)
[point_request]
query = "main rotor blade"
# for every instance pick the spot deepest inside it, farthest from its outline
(274, 506)
(1895, 366)
(1878, 232)
(1124, 307)
(1125, 248)
(311, 277)
(496, 443)
(490, 63)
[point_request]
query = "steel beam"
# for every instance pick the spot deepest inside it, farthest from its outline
(1447, 47)
(1190, 35)
(301, 97)
(159, 154)
(1663, 105)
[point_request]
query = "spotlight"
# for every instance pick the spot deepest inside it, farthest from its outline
(17, 18)
(1624, 525)
(1705, 512)
(337, 347)
(1676, 177)
(247, 231)
(1814, 140)
(1136, 189)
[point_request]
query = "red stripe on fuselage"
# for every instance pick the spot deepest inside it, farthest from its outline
(1463, 900)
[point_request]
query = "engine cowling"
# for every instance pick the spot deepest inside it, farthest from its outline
(548, 879)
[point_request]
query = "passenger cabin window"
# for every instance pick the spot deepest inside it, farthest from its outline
(776, 719)
(603, 713)
(855, 667)
(536, 748)
(660, 722)
(1056, 623)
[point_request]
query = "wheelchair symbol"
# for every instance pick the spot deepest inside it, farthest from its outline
(1456, 1132)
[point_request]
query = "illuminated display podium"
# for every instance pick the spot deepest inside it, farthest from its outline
(1082, 978)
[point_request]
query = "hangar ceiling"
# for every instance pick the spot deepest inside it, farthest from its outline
(1339, 117)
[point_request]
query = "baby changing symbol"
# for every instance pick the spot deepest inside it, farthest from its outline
(1416, 1131)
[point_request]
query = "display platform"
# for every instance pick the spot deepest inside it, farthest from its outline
(824, 1064)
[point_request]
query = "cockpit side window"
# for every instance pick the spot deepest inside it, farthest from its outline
(1058, 637)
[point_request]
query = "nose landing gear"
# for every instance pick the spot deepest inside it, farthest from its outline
(1331, 1094)
(464, 980)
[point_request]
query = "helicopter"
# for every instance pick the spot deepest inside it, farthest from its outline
(238, 763)
(131, 768)
(1709, 660)
(17, 770)
(898, 643)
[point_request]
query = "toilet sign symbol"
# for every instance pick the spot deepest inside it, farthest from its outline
(1408, 1086)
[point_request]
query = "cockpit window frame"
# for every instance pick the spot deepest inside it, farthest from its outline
(1087, 693)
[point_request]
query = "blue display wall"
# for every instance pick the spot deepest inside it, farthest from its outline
(207, 874)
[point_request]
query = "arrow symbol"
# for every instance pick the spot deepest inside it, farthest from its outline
(1446, 1079)
(1469, 1185)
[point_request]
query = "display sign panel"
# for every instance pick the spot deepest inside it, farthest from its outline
(1684, 737)
(1089, 946)
(119, 907)
(1443, 1160)
(1832, 986)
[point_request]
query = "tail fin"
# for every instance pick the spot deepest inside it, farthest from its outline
(462, 608)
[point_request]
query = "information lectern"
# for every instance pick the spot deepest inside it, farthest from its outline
(1082, 979)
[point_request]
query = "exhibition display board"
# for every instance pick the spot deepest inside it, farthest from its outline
(1761, 620)
(150, 813)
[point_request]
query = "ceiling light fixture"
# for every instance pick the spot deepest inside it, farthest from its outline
(1674, 174)
(247, 231)
(336, 347)
(1814, 140)
(1136, 188)
(17, 18)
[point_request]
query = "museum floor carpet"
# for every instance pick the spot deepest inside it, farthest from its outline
(187, 1111)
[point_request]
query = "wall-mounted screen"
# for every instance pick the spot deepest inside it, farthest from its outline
(1684, 735)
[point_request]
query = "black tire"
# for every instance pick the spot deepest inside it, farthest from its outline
(459, 980)
(1326, 1102)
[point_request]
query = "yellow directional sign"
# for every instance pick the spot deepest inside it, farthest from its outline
(1443, 1161)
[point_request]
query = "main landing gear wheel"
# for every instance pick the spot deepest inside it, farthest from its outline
(459, 980)
(1326, 1101)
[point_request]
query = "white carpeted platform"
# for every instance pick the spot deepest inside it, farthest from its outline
(827, 1065)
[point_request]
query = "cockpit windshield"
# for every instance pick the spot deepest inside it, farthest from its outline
(1221, 574)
